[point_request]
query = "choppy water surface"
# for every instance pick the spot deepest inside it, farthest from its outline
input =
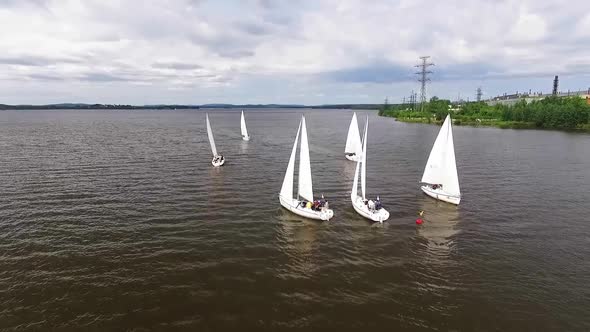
(116, 220)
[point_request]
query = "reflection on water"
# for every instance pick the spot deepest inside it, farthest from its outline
(440, 225)
(297, 238)
(244, 146)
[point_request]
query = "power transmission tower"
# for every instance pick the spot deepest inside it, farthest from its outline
(478, 94)
(412, 101)
(555, 85)
(423, 78)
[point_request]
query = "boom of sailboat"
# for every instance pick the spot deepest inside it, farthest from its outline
(440, 178)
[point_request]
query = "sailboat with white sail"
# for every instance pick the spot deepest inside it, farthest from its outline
(245, 135)
(218, 160)
(304, 204)
(369, 209)
(353, 148)
(440, 174)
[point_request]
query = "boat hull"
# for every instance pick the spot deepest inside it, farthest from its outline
(246, 138)
(441, 195)
(218, 163)
(354, 158)
(361, 208)
(293, 206)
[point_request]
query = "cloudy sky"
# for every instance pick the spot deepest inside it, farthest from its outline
(289, 51)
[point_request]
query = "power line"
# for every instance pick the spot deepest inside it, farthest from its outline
(423, 78)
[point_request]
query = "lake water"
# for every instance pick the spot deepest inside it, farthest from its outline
(116, 220)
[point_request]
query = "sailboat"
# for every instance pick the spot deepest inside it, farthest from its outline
(303, 206)
(353, 148)
(369, 209)
(218, 160)
(245, 136)
(440, 174)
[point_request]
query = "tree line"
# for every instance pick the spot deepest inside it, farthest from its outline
(551, 112)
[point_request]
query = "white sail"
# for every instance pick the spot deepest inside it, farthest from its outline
(287, 188)
(243, 126)
(210, 134)
(441, 167)
(364, 161)
(355, 183)
(305, 185)
(353, 140)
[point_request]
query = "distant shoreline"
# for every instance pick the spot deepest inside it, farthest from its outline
(80, 106)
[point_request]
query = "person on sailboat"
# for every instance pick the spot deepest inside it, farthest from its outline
(378, 204)
(371, 205)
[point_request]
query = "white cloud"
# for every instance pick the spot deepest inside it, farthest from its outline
(306, 51)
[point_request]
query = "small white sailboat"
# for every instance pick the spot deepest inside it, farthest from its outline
(218, 160)
(245, 135)
(353, 148)
(303, 207)
(440, 173)
(367, 208)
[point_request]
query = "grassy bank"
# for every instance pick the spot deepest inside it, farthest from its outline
(550, 113)
(467, 122)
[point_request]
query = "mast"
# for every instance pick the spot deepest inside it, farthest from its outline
(364, 160)
(305, 188)
(211, 139)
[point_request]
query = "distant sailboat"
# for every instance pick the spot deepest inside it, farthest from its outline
(245, 136)
(353, 148)
(218, 160)
(440, 173)
(366, 208)
(302, 207)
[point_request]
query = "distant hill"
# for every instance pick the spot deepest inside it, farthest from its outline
(253, 106)
(83, 106)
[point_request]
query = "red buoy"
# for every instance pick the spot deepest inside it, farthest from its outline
(419, 221)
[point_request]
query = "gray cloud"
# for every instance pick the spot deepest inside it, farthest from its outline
(16, 3)
(176, 65)
(102, 77)
(44, 77)
(254, 28)
(35, 61)
(235, 54)
(381, 72)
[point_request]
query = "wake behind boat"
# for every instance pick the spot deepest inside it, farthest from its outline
(353, 148)
(440, 173)
(218, 160)
(369, 209)
(305, 207)
(245, 135)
